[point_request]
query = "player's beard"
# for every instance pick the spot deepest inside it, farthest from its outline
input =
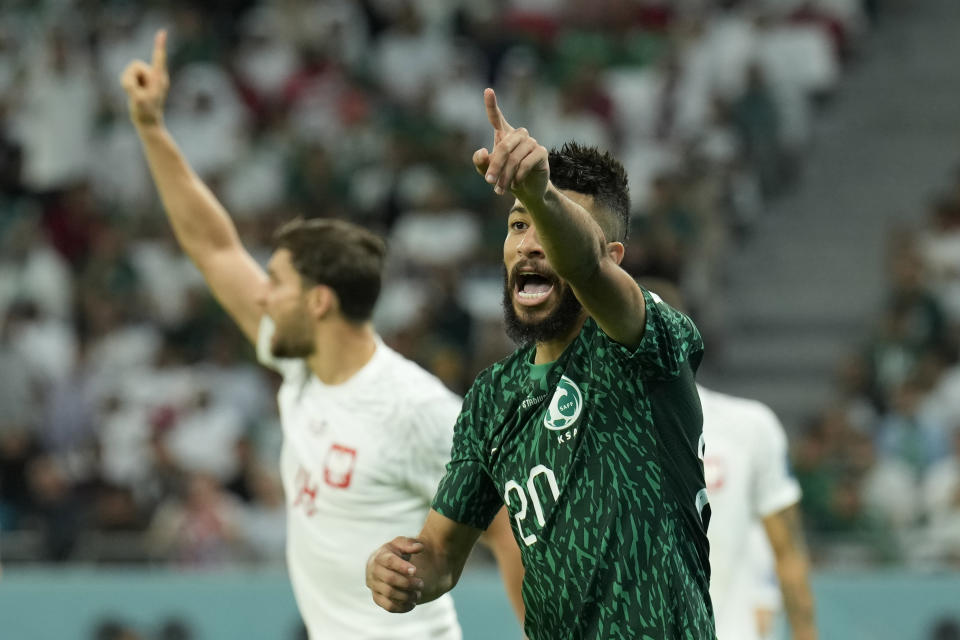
(293, 336)
(558, 323)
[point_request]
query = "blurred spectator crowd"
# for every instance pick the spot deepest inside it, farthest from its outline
(135, 425)
(880, 467)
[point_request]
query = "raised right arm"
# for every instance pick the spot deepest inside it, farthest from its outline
(200, 223)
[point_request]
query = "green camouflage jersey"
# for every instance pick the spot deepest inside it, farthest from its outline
(598, 459)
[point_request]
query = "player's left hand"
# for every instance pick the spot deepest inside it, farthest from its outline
(147, 85)
(518, 162)
(391, 577)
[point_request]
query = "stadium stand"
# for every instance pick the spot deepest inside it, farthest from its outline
(134, 424)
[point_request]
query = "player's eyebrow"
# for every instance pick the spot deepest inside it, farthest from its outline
(517, 208)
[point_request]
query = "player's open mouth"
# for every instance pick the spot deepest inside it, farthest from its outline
(532, 288)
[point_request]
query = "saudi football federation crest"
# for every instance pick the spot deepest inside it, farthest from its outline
(565, 406)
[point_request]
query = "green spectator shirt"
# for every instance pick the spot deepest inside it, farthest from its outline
(598, 457)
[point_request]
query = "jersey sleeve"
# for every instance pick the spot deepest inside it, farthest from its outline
(670, 341)
(284, 366)
(774, 488)
(431, 425)
(467, 494)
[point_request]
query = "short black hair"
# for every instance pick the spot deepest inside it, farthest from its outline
(341, 255)
(596, 173)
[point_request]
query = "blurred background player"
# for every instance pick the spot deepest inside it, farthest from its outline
(589, 431)
(366, 432)
(745, 464)
(749, 483)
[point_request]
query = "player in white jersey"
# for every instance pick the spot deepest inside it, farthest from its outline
(367, 433)
(748, 481)
(358, 458)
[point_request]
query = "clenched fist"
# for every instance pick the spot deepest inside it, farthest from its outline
(146, 85)
(392, 578)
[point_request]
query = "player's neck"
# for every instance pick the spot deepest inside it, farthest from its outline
(551, 350)
(342, 349)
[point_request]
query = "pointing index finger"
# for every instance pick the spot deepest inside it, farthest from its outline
(494, 115)
(159, 61)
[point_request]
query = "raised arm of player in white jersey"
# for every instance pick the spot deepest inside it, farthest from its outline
(572, 240)
(201, 224)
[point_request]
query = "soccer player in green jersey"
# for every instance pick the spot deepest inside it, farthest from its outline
(590, 432)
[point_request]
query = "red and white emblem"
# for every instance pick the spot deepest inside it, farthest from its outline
(338, 466)
(714, 472)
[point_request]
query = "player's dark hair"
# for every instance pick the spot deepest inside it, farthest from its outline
(343, 256)
(587, 170)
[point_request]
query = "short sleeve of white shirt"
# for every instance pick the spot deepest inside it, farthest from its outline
(284, 366)
(430, 423)
(774, 487)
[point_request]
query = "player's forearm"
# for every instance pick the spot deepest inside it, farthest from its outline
(571, 238)
(200, 223)
(785, 532)
(793, 571)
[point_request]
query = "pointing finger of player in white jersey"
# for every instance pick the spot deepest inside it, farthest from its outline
(147, 85)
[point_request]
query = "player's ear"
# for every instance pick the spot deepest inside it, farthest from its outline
(616, 250)
(321, 301)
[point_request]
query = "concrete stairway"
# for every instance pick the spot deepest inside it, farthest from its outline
(804, 289)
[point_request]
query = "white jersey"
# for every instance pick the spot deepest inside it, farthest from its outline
(745, 465)
(360, 463)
